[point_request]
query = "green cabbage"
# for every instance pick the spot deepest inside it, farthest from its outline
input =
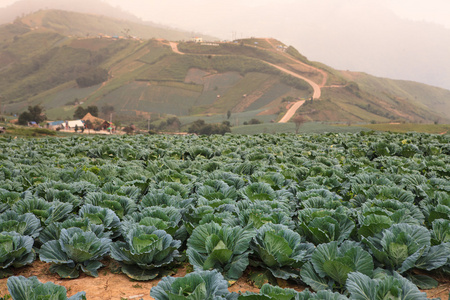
(75, 249)
(145, 251)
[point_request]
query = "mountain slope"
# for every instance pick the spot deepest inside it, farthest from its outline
(25, 7)
(42, 62)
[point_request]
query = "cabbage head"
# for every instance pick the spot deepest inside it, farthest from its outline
(53, 231)
(145, 251)
(280, 250)
(15, 251)
(224, 248)
(22, 288)
(24, 224)
(331, 263)
(323, 226)
(199, 285)
(269, 292)
(362, 287)
(101, 216)
(73, 250)
(168, 219)
(403, 246)
(47, 212)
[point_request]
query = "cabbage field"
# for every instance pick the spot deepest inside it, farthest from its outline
(351, 216)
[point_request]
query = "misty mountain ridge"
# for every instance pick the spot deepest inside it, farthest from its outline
(25, 7)
(348, 35)
(21, 8)
(57, 59)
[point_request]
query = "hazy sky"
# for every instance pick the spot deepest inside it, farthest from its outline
(437, 11)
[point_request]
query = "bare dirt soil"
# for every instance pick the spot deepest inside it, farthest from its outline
(112, 286)
(291, 111)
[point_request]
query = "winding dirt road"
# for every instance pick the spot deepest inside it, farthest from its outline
(317, 91)
(291, 111)
(314, 69)
(174, 47)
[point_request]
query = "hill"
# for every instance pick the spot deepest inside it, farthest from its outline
(24, 7)
(60, 59)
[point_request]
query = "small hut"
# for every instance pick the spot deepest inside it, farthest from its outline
(97, 123)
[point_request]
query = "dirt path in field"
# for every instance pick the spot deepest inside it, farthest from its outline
(112, 286)
(291, 111)
(174, 47)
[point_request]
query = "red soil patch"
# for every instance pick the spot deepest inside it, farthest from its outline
(109, 285)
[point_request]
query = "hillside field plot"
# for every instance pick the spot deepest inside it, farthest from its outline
(153, 97)
(338, 213)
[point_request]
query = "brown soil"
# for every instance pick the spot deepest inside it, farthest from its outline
(108, 285)
(112, 286)
(291, 111)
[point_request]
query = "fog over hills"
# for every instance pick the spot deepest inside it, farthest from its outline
(58, 59)
(19, 8)
(356, 35)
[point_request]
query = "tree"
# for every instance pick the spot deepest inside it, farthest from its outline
(298, 120)
(93, 110)
(34, 113)
(174, 122)
(200, 127)
(80, 112)
(254, 122)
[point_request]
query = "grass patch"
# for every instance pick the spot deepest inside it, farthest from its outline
(311, 127)
(29, 132)
(233, 49)
(411, 127)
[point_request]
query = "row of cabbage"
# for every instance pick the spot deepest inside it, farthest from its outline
(326, 210)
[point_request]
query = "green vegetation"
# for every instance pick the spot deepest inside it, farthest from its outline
(58, 65)
(80, 112)
(145, 252)
(47, 67)
(233, 49)
(341, 212)
(34, 114)
(306, 128)
(200, 127)
(79, 24)
(295, 82)
(193, 286)
(31, 288)
(14, 131)
(92, 77)
(16, 250)
(260, 43)
(294, 53)
(409, 127)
